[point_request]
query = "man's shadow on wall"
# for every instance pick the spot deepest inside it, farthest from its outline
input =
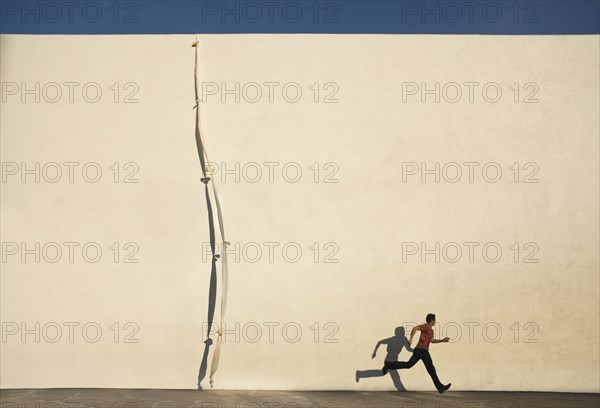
(394, 346)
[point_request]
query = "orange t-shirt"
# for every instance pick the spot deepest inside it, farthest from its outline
(426, 336)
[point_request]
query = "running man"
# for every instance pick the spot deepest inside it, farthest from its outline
(421, 352)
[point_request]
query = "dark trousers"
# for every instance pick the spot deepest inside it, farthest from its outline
(418, 354)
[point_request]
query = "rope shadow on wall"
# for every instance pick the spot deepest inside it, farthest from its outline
(212, 290)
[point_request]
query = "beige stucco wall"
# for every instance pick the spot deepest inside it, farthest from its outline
(547, 311)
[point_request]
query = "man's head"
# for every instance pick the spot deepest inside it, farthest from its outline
(430, 319)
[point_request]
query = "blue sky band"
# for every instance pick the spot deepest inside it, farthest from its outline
(498, 17)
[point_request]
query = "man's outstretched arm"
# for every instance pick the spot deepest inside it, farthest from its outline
(444, 340)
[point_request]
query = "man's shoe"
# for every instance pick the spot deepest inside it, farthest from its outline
(444, 388)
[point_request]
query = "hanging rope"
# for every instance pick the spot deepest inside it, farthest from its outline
(212, 291)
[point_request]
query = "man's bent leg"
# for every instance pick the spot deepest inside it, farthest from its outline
(431, 370)
(395, 365)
